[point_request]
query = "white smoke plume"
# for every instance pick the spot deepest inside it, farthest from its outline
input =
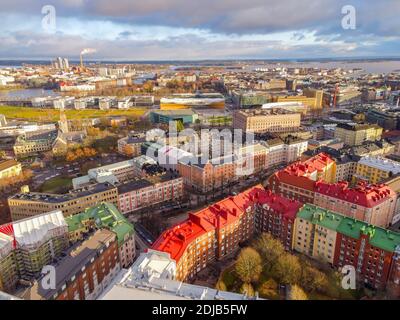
(88, 51)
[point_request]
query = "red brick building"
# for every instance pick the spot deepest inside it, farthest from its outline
(374, 204)
(209, 234)
(297, 181)
(276, 215)
(368, 249)
(84, 273)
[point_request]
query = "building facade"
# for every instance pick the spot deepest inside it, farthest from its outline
(373, 204)
(356, 134)
(105, 216)
(25, 205)
(376, 169)
(9, 169)
(28, 245)
(269, 120)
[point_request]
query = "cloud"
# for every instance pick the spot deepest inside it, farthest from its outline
(231, 27)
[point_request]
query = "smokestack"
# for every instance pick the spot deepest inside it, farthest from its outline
(86, 51)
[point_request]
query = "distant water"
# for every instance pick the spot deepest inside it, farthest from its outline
(27, 93)
(366, 66)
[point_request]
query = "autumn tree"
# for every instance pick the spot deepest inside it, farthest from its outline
(248, 265)
(287, 269)
(297, 293)
(221, 285)
(247, 289)
(269, 289)
(313, 279)
(270, 249)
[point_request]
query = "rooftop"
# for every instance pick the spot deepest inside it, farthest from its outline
(381, 163)
(77, 257)
(378, 237)
(320, 216)
(6, 164)
(175, 240)
(357, 126)
(105, 215)
(363, 194)
(30, 231)
(60, 198)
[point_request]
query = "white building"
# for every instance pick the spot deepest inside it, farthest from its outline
(112, 173)
(152, 278)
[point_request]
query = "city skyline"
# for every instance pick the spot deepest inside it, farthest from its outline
(180, 30)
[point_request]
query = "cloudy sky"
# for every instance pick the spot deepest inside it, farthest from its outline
(198, 29)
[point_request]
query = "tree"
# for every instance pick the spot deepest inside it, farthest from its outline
(297, 293)
(221, 285)
(248, 265)
(247, 289)
(269, 289)
(313, 279)
(270, 249)
(287, 269)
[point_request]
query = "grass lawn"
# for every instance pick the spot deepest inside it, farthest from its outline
(52, 115)
(56, 185)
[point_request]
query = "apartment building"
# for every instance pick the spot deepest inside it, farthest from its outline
(311, 98)
(28, 245)
(297, 181)
(373, 204)
(130, 146)
(369, 249)
(266, 120)
(32, 143)
(208, 235)
(286, 150)
(315, 232)
(105, 216)
(212, 174)
(275, 215)
(9, 169)
(376, 169)
(355, 134)
(84, 272)
(333, 238)
(26, 205)
(148, 191)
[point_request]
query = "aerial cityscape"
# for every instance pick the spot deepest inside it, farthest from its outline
(235, 151)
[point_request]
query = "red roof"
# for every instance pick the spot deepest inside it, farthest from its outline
(8, 229)
(363, 194)
(286, 207)
(175, 240)
(300, 173)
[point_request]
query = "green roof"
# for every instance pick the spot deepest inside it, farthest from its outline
(378, 237)
(319, 216)
(105, 215)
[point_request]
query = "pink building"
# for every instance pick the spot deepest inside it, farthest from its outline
(374, 204)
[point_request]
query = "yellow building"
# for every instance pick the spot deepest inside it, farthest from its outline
(315, 232)
(267, 120)
(9, 169)
(311, 98)
(356, 134)
(376, 169)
